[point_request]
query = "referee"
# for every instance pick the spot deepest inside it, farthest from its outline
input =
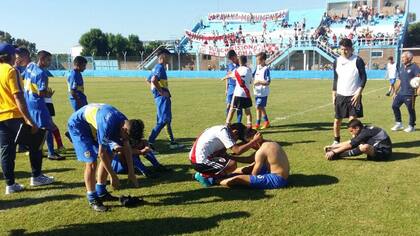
(349, 80)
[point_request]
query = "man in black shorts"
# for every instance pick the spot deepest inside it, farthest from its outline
(349, 81)
(369, 140)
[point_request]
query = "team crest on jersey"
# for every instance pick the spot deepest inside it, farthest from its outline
(260, 176)
(223, 160)
(87, 154)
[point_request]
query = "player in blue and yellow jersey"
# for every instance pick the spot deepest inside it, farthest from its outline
(76, 85)
(231, 83)
(36, 89)
(158, 81)
(93, 128)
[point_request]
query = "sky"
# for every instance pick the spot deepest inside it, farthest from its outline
(57, 25)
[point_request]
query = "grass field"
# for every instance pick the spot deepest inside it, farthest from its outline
(346, 197)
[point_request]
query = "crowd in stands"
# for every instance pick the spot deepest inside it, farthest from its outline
(248, 17)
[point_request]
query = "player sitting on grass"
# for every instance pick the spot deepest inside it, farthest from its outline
(241, 95)
(119, 163)
(92, 129)
(270, 169)
(369, 140)
(261, 90)
(208, 155)
(75, 84)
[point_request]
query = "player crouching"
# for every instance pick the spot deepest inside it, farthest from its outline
(92, 129)
(270, 169)
(369, 140)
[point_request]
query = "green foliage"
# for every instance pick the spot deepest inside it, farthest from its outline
(94, 42)
(6, 37)
(413, 35)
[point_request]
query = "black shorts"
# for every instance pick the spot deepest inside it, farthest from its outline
(51, 109)
(242, 103)
(381, 154)
(212, 166)
(344, 108)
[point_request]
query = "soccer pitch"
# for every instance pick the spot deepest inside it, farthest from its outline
(345, 197)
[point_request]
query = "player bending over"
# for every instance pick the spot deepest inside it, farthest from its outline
(241, 95)
(269, 171)
(92, 129)
(209, 155)
(119, 163)
(369, 140)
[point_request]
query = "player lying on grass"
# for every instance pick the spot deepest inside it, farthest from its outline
(119, 163)
(369, 140)
(209, 155)
(270, 168)
(92, 129)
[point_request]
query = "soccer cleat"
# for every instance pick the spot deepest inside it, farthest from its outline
(266, 125)
(388, 94)
(149, 174)
(97, 205)
(61, 150)
(256, 126)
(335, 143)
(14, 188)
(107, 197)
(409, 129)
(56, 157)
(41, 180)
(397, 127)
(175, 145)
(203, 181)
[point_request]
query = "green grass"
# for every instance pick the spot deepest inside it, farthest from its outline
(346, 197)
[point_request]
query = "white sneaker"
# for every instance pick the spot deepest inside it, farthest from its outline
(410, 129)
(335, 143)
(397, 127)
(41, 180)
(14, 188)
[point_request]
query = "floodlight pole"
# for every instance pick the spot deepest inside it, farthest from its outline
(125, 59)
(107, 59)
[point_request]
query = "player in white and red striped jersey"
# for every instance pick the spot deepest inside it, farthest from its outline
(209, 155)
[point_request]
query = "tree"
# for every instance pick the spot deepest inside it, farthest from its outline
(6, 37)
(151, 46)
(117, 44)
(413, 35)
(135, 46)
(94, 42)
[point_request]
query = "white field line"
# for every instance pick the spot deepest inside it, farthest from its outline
(318, 107)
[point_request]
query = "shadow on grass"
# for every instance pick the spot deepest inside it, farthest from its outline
(410, 144)
(300, 127)
(16, 203)
(208, 195)
(303, 181)
(396, 156)
(162, 146)
(158, 226)
(285, 144)
(25, 174)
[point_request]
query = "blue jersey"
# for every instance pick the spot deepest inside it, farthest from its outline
(160, 73)
(105, 122)
(406, 75)
(22, 71)
(231, 81)
(75, 83)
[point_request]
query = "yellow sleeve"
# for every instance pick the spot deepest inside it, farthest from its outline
(15, 83)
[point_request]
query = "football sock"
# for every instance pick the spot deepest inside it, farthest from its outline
(265, 118)
(258, 122)
(151, 157)
(50, 143)
(91, 196)
(351, 153)
(57, 138)
(101, 189)
(337, 139)
(239, 115)
(139, 165)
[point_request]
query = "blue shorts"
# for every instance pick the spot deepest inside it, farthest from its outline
(392, 81)
(229, 98)
(74, 104)
(164, 109)
(117, 165)
(40, 114)
(85, 145)
(261, 101)
(267, 181)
